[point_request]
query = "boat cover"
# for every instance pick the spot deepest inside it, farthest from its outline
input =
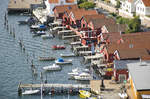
(60, 60)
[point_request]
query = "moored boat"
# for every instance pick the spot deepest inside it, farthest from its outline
(46, 58)
(67, 55)
(84, 94)
(30, 92)
(47, 36)
(52, 67)
(38, 33)
(83, 76)
(61, 61)
(58, 47)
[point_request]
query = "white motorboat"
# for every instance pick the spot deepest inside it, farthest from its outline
(52, 67)
(78, 71)
(61, 61)
(47, 36)
(83, 76)
(67, 55)
(30, 92)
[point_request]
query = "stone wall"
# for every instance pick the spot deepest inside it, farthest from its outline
(107, 7)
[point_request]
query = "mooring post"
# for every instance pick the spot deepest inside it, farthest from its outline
(19, 89)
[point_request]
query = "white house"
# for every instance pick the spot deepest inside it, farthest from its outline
(50, 4)
(128, 5)
(143, 7)
(114, 2)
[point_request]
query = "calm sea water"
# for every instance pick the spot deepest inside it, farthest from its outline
(15, 65)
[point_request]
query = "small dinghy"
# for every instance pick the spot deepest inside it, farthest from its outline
(38, 33)
(30, 92)
(58, 47)
(52, 67)
(61, 61)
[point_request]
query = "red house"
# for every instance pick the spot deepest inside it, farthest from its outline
(60, 9)
(76, 15)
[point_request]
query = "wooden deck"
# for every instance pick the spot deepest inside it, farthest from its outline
(22, 4)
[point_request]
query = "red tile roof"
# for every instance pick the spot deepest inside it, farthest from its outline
(146, 3)
(88, 18)
(53, 1)
(63, 8)
(70, 1)
(78, 14)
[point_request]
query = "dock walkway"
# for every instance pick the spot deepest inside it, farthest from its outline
(80, 86)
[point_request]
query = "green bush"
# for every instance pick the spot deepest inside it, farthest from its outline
(82, 1)
(87, 5)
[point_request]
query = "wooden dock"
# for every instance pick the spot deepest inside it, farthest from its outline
(80, 86)
(21, 5)
(92, 57)
(76, 49)
(85, 53)
(70, 36)
(76, 43)
(64, 32)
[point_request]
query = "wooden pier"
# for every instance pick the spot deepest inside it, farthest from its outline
(70, 36)
(80, 86)
(64, 32)
(76, 43)
(85, 53)
(21, 5)
(76, 49)
(92, 57)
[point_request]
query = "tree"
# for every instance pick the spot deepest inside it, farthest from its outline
(118, 4)
(87, 5)
(134, 25)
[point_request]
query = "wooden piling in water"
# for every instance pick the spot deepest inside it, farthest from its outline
(19, 89)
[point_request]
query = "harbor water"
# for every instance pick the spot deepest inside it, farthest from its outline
(15, 64)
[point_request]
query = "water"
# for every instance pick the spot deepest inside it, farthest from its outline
(15, 65)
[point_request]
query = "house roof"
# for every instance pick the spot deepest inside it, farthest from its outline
(146, 3)
(88, 18)
(79, 13)
(122, 64)
(70, 1)
(111, 37)
(140, 72)
(53, 1)
(101, 22)
(132, 53)
(116, 27)
(63, 8)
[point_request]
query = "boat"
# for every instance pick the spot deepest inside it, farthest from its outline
(38, 33)
(46, 58)
(61, 61)
(47, 36)
(83, 76)
(84, 94)
(67, 55)
(30, 92)
(38, 27)
(58, 47)
(22, 22)
(52, 67)
(77, 71)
